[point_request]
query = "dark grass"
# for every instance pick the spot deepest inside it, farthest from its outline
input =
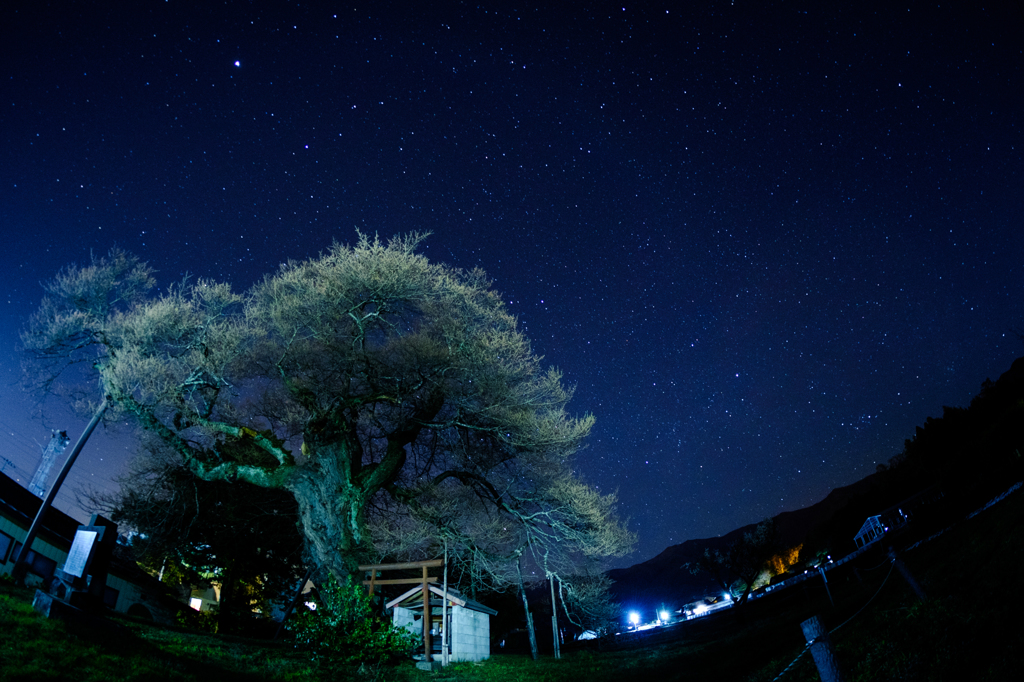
(968, 628)
(36, 648)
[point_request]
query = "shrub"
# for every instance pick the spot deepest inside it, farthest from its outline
(344, 629)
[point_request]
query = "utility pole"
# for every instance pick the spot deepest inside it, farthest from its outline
(445, 635)
(21, 567)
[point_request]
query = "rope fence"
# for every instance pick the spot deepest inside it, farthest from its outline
(893, 562)
(859, 611)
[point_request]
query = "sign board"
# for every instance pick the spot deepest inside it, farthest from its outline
(81, 551)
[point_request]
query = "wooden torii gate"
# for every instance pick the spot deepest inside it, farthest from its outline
(425, 580)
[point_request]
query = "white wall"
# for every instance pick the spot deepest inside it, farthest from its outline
(403, 618)
(471, 635)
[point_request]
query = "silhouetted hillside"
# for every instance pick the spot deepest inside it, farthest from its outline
(965, 457)
(666, 579)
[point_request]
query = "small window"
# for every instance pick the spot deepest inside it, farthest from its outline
(42, 566)
(6, 542)
(110, 596)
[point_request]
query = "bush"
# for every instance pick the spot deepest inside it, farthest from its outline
(343, 629)
(204, 621)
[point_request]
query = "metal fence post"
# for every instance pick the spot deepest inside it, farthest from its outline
(907, 575)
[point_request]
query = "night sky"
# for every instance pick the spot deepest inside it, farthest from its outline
(765, 240)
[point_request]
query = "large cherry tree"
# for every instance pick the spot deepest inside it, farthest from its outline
(367, 382)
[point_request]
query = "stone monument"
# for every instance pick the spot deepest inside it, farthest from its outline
(81, 584)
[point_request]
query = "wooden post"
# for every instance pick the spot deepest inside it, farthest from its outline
(821, 650)
(423, 580)
(827, 591)
(907, 575)
(426, 618)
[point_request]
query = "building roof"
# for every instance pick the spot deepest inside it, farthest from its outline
(21, 506)
(871, 523)
(415, 595)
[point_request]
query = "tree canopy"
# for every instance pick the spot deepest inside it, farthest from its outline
(242, 536)
(370, 383)
(737, 569)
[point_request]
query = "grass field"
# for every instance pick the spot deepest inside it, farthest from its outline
(968, 628)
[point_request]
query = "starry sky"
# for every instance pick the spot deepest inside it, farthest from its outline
(765, 240)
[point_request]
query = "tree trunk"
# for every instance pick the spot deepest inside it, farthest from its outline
(226, 606)
(526, 607)
(554, 619)
(333, 489)
(331, 510)
(746, 593)
(293, 603)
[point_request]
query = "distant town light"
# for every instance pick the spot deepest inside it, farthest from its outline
(634, 618)
(664, 616)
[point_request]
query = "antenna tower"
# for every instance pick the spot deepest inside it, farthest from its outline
(58, 441)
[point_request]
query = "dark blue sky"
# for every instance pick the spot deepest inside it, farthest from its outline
(764, 239)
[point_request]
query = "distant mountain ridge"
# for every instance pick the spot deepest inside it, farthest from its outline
(665, 578)
(967, 453)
